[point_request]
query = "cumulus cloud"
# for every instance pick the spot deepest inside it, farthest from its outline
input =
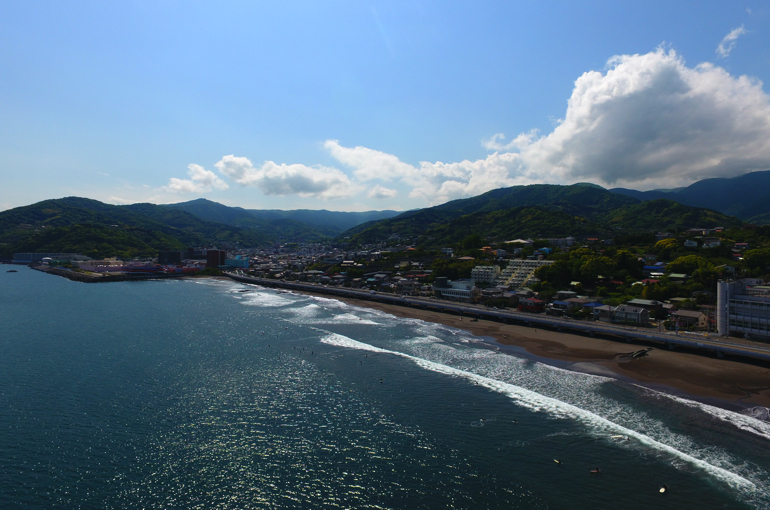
(648, 121)
(201, 180)
(281, 179)
(651, 121)
(379, 192)
(496, 142)
(729, 41)
(369, 163)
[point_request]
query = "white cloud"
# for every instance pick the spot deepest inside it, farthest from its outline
(495, 143)
(201, 180)
(379, 192)
(120, 201)
(281, 179)
(651, 121)
(368, 163)
(647, 121)
(729, 42)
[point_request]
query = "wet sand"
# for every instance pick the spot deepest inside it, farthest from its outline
(720, 382)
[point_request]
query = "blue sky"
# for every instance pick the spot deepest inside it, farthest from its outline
(375, 105)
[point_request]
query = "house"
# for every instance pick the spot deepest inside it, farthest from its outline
(690, 318)
(711, 242)
(691, 244)
(531, 304)
(603, 313)
(631, 315)
(647, 304)
(623, 313)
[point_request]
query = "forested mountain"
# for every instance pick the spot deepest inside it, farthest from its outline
(323, 222)
(106, 230)
(542, 210)
(746, 196)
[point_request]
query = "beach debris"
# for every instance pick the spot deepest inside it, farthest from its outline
(637, 354)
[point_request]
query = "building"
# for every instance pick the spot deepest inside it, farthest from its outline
(459, 290)
(631, 315)
(531, 304)
(623, 313)
(742, 309)
(215, 258)
(485, 274)
(238, 262)
(690, 319)
(519, 273)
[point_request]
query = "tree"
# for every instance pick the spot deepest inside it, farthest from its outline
(687, 264)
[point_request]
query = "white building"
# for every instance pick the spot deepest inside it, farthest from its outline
(740, 309)
(485, 274)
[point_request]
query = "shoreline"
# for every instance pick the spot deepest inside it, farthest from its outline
(723, 383)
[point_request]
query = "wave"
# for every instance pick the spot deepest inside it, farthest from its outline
(555, 408)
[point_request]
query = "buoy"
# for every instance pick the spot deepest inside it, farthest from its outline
(557, 461)
(663, 488)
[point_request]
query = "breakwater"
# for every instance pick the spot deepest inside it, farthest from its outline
(101, 278)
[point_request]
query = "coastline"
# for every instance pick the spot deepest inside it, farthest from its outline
(724, 383)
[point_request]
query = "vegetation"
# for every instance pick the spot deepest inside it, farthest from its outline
(536, 211)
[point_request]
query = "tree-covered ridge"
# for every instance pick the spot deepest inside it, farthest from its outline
(662, 214)
(505, 225)
(98, 241)
(27, 228)
(552, 211)
(746, 196)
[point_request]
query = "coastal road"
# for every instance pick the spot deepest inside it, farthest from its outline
(712, 344)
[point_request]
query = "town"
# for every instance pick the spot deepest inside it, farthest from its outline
(669, 281)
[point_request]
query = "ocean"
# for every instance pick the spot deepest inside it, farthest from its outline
(206, 393)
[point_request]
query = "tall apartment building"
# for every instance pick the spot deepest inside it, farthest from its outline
(215, 258)
(741, 309)
(485, 274)
(520, 272)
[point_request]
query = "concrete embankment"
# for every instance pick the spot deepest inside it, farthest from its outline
(710, 345)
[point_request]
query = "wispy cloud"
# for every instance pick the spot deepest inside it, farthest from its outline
(729, 42)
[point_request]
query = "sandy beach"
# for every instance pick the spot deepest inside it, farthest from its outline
(721, 382)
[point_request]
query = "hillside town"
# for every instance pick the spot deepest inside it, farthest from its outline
(674, 284)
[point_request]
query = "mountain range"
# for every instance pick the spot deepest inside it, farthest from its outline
(746, 196)
(541, 210)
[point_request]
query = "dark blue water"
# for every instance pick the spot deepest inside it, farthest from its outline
(194, 394)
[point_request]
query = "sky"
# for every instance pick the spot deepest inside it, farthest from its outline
(372, 105)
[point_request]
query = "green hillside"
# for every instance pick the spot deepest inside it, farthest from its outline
(507, 225)
(662, 214)
(39, 226)
(537, 211)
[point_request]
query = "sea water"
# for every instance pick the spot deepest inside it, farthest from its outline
(206, 393)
